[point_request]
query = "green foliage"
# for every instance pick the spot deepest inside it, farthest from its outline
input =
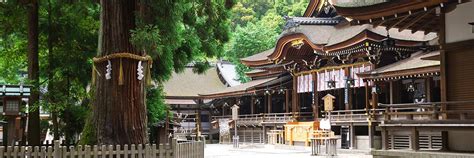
(156, 108)
(182, 32)
(67, 41)
(256, 27)
(12, 42)
(88, 135)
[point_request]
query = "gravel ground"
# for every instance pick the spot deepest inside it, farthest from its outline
(269, 151)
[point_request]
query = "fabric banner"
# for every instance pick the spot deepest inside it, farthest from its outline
(338, 75)
(356, 77)
(326, 79)
(305, 83)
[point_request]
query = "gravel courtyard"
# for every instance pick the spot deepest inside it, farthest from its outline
(269, 151)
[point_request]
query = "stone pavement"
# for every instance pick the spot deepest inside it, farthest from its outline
(269, 151)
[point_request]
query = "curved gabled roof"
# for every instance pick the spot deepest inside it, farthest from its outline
(188, 84)
(388, 8)
(412, 66)
(243, 89)
(258, 59)
(228, 73)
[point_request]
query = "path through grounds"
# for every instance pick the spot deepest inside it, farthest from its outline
(269, 151)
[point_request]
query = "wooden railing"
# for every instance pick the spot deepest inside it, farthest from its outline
(257, 119)
(188, 149)
(424, 111)
(358, 115)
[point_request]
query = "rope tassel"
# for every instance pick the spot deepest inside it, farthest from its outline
(120, 81)
(94, 75)
(148, 74)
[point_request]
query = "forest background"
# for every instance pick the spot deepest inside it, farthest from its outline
(68, 39)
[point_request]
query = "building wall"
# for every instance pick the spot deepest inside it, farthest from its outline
(460, 77)
(457, 27)
(461, 140)
(362, 142)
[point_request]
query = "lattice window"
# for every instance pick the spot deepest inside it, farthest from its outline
(12, 106)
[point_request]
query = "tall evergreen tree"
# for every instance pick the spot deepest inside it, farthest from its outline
(173, 32)
(33, 73)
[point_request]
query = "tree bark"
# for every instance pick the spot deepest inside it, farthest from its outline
(119, 110)
(33, 73)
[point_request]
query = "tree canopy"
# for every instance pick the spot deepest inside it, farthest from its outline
(180, 33)
(256, 26)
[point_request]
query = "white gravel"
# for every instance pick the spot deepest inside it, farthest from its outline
(269, 151)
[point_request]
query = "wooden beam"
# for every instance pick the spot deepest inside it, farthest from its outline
(415, 29)
(378, 23)
(418, 18)
(398, 22)
(427, 31)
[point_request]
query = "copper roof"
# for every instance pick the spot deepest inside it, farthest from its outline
(259, 56)
(317, 34)
(190, 84)
(243, 89)
(346, 33)
(180, 101)
(413, 66)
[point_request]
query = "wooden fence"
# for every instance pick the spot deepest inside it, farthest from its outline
(192, 149)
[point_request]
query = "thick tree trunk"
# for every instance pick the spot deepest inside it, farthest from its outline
(119, 110)
(51, 83)
(33, 73)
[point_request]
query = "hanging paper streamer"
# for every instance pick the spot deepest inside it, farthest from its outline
(108, 71)
(140, 71)
(140, 68)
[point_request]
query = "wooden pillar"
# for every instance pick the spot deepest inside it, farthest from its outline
(367, 93)
(375, 98)
(223, 110)
(443, 65)
(264, 134)
(352, 137)
(287, 101)
(198, 119)
(315, 97)
(384, 133)
(391, 92)
(167, 127)
(252, 105)
(347, 88)
(414, 139)
(444, 141)
(251, 135)
(178, 108)
(371, 134)
(428, 89)
(294, 98)
(269, 102)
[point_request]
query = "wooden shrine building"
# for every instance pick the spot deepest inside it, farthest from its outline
(192, 112)
(13, 98)
(448, 119)
(319, 54)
